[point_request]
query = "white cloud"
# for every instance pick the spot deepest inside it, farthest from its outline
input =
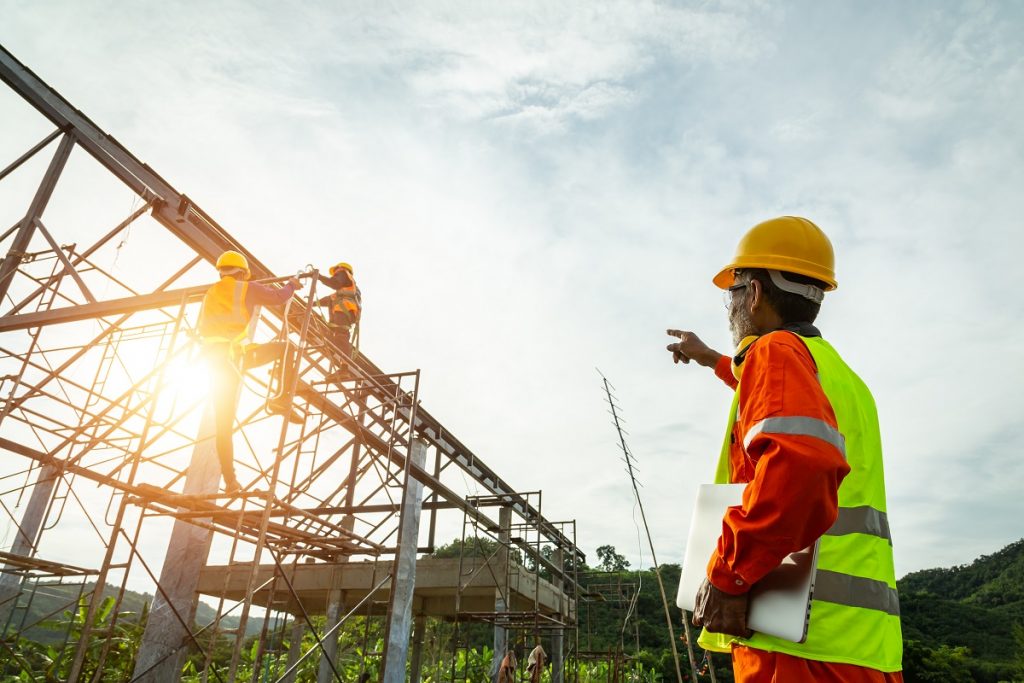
(532, 191)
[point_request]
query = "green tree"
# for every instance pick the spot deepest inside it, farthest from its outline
(1018, 637)
(611, 561)
(944, 664)
(475, 546)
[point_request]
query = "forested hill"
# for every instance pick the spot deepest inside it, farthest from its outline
(995, 580)
(966, 622)
(961, 624)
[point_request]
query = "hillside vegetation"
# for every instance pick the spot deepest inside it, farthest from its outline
(966, 622)
(960, 625)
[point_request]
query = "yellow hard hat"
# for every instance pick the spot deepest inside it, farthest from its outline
(232, 259)
(335, 268)
(789, 244)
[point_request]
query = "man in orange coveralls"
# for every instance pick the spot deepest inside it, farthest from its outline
(803, 435)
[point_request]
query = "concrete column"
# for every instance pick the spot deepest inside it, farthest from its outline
(419, 627)
(294, 648)
(501, 634)
(557, 656)
(403, 577)
(558, 637)
(161, 652)
(335, 610)
(27, 533)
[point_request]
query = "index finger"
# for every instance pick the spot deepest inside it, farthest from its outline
(675, 333)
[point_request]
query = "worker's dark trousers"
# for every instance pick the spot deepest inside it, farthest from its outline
(342, 338)
(226, 377)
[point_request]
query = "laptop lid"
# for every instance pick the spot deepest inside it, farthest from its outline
(780, 603)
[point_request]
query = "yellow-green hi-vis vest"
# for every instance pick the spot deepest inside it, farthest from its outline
(854, 608)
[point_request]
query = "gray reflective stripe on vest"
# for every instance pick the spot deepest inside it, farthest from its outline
(798, 426)
(855, 591)
(861, 520)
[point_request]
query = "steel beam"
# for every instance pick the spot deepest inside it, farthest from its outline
(9, 266)
(29, 154)
(100, 309)
(68, 268)
(174, 210)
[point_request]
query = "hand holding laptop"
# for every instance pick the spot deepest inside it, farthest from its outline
(778, 605)
(720, 612)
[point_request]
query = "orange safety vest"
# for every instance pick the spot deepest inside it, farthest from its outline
(347, 301)
(223, 317)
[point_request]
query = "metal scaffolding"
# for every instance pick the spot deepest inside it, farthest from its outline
(618, 596)
(532, 599)
(116, 470)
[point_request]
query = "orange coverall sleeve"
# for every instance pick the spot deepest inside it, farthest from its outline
(792, 479)
(723, 369)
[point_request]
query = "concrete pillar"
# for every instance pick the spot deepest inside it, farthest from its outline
(500, 633)
(294, 648)
(415, 663)
(335, 610)
(403, 576)
(161, 652)
(557, 656)
(27, 533)
(558, 637)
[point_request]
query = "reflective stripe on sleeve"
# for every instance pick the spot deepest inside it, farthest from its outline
(798, 426)
(855, 591)
(861, 520)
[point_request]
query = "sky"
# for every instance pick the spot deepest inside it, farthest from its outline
(532, 191)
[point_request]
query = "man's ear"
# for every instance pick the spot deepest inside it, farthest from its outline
(756, 292)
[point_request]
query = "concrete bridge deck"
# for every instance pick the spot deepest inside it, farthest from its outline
(434, 594)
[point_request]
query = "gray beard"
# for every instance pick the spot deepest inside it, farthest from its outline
(740, 325)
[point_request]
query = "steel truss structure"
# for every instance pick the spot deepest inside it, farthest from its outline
(109, 478)
(530, 602)
(621, 596)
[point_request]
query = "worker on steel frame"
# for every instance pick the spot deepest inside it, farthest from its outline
(803, 435)
(224, 321)
(345, 304)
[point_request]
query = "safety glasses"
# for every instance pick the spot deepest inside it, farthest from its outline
(729, 294)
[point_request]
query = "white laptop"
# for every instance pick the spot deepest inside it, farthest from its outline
(780, 603)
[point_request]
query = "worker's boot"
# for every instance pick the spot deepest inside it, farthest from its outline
(281, 406)
(230, 483)
(339, 374)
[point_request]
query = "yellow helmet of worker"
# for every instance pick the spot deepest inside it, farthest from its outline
(338, 266)
(232, 259)
(788, 244)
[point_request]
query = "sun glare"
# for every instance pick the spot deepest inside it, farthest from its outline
(188, 378)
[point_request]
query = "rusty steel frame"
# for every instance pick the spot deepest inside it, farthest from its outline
(76, 413)
(526, 533)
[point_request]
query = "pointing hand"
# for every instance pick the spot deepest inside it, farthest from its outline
(690, 347)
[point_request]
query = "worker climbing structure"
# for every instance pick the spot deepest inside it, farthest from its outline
(110, 479)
